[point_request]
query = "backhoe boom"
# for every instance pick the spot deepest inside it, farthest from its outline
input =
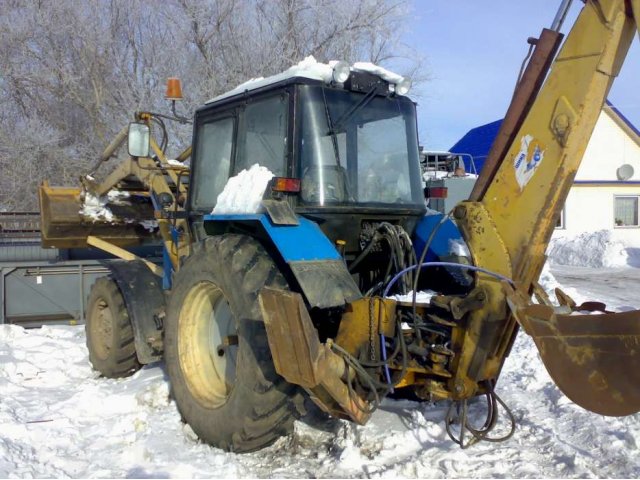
(515, 207)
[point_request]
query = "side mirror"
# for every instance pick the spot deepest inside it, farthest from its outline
(139, 139)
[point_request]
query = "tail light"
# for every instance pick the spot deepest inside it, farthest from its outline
(284, 184)
(435, 192)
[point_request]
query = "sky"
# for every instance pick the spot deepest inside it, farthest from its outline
(473, 50)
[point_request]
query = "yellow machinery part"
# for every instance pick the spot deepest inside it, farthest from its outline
(301, 359)
(62, 225)
(363, 321)
(509, 227)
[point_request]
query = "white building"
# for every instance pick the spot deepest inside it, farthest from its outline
(606, 191)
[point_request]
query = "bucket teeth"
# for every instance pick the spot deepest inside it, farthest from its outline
(587, 355)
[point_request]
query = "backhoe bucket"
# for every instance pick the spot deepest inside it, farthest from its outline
(593, 358)
(63, 225)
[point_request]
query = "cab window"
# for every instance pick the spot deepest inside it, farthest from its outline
(262, 135)
(212, 162)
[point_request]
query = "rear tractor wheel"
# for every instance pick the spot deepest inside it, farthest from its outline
(110, 340)
(216, 350)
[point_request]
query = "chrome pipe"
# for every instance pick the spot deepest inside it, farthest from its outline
(561, 15)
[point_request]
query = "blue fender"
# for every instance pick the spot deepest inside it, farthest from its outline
(319, 269)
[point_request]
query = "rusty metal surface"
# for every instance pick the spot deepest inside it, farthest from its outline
(300, 358)
(588, 356)
(523, 98)
(293, 341)
(63, 226)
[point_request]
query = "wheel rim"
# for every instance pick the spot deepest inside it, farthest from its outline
(208, 366)
(101, 328)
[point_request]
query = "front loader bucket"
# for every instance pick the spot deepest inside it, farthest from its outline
(593, 358)
(63, 226)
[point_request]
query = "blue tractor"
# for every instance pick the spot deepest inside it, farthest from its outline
(313, 294)
(253, 306)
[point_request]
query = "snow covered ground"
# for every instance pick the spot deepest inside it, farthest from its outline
(57, 419)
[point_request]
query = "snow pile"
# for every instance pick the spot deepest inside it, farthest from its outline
(382, 72)
(308, 68)
(118, 197)
(243, 193)
(57, 419)
(149, 225)
(547, 280)
(177, 163)
(95, 208)
(589, 249)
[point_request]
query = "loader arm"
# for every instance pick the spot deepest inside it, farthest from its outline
(63, 226)
(514, 209)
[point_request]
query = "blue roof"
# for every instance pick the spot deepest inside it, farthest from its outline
(477, 142)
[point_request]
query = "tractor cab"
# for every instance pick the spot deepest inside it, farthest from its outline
(347, 139)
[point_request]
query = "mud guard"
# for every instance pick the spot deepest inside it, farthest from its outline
(319, 269)
(301, 359)
(145, 302)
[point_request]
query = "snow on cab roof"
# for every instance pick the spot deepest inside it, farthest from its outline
(312, 69)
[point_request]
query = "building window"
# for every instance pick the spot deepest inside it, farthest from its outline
(626, 211)
(560, 223)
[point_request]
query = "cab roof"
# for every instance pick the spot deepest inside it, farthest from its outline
(307, 69)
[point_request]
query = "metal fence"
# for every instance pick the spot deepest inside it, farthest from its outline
(45, 286)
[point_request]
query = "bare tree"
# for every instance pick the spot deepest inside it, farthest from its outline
(72, 72)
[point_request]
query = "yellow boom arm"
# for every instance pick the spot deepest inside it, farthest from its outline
(514, 209)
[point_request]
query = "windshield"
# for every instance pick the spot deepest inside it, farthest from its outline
(358, 149)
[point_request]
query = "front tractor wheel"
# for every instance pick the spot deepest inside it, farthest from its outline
(110, 340)
(216, 350)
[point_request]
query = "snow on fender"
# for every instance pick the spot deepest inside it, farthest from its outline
(243, 192)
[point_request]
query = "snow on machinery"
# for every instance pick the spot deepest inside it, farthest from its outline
(264, 308)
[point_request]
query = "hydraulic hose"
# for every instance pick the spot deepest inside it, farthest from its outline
(421, 266)
(443, 264)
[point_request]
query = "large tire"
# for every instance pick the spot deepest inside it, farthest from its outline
(233, 400)
(112, 350)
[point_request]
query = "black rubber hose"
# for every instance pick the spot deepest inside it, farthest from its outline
(364, 252)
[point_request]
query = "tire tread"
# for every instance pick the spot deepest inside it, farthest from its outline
(122, 361)
(266, 406)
